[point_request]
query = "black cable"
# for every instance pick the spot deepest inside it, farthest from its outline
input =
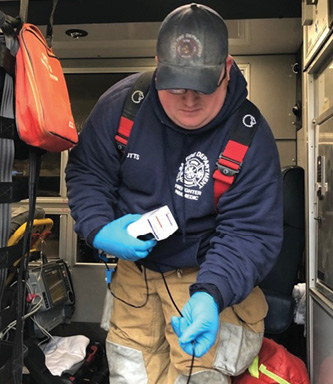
(124, 301)
(169, 293)
(175, 305)
(192, 365)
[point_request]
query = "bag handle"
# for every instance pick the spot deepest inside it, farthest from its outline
(49, 28)
(24, 5)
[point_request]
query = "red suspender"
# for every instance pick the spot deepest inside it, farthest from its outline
(230, 160)
(228, 165)
(124, 130)
(131, 106)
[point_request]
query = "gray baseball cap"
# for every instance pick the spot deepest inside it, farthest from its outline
(192, 47)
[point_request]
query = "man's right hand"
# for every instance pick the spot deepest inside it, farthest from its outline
(114, 239)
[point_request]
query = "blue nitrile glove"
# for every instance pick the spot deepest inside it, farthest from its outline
(114, 239)
(199, 325)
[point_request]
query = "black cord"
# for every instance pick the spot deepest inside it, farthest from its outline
(192, 364)
(169, 293)
(175, 305)
(145, 302)
(124, 301)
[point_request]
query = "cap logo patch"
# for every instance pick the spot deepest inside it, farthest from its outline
(188, 46)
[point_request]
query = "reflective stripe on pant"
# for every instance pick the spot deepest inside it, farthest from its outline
(142, 345)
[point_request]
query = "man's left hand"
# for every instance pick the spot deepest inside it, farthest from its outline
(197, 329)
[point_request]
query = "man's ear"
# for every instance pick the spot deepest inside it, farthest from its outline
(229, 62)
(156, 59)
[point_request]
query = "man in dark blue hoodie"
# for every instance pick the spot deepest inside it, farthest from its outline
(194, 294)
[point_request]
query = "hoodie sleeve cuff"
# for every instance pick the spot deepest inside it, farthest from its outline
(212, 290)
(92, 235)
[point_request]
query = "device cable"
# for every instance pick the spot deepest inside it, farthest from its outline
(124, 301)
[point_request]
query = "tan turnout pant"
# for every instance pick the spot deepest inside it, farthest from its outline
(142, 347)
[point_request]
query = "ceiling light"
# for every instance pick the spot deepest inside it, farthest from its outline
(76, 33)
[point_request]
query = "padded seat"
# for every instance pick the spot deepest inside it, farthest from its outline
(279, 283)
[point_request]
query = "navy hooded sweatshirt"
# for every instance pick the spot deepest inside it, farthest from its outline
(165, 164)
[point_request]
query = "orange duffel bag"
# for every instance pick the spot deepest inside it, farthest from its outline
(43, 112)
(274, 364)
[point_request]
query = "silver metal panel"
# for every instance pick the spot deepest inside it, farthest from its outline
(322, 341)
(316, 29)
(90, 287)
(324, 182)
